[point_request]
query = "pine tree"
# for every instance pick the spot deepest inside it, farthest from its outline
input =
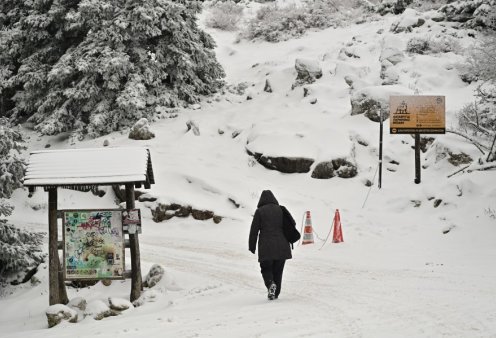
(95, 66)
(19, 249)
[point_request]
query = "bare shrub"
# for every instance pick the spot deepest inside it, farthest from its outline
(444, 44)
(225, 16)
(433, 45)
(275, 23)
(417, 45)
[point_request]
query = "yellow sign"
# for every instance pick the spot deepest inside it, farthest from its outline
(417, 114)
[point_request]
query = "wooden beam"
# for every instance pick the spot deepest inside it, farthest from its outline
(136, 280)
(53, 254)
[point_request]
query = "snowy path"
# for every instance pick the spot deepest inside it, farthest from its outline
(214, 288)
(320, 296)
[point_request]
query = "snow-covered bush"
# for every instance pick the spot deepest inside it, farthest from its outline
(418, 45)
(444, 44)
(483, 59)
(225, 15)
(474, 118)
(477, 122)
(11, 166)
(434, 45)
(20, 250)
(98, 66)
(274, 23)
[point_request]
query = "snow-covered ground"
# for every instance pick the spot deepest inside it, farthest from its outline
(405, 269)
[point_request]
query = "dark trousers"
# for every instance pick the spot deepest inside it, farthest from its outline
(272, 272)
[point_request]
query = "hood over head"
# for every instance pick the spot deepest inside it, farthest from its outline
(267, 197)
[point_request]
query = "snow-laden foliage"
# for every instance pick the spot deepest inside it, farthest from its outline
(483, 60)
(433, 45)
(477, 121)
(95, 66)
(19, 249)
(275, 23)
(11, 165)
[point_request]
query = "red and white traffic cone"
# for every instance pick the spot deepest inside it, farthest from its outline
(308, 230)
(337, 236)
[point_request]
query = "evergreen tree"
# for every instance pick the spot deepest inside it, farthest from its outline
(19, 249)
(95, 66)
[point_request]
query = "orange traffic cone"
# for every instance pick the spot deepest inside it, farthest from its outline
(337, 236)
(308, 230)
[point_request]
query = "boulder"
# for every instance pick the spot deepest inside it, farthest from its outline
(165, 212)
(58, 312)
(98, 310)
(268, 86)
(389, 74)
(393, 6)
(119, 304)
(154, 276)
(287, 165)
(459, 159)
(307, 71)
(339, 167)
(141, 130)
(409, 20)
(192, 125)
(471, 13)
(372, 100)
(391, 54)
(78, 303)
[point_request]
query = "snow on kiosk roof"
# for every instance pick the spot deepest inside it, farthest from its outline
(77, 168)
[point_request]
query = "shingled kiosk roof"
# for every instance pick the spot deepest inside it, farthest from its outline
(85, 168)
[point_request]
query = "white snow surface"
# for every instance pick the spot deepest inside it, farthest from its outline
(90, 165)
(405, 268)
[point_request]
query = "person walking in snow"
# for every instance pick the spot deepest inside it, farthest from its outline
(273, 247)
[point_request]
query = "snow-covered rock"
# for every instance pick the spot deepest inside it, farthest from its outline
(408, 20)
(78, 303)
(97, 309)
(154, 275)
(141, 130)
(338, 167)
(193, 125)
(391, 54)
(58, 312)
(370, 101)
(472, 13)
(393, 6)
(307, 70)
(119, 304)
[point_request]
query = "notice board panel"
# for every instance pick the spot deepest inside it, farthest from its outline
(93, 244)
(420, 114)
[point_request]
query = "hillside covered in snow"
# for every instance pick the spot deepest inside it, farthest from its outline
(299, 117)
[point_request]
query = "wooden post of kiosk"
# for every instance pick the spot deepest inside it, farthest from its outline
(136, 280)
(57, 291)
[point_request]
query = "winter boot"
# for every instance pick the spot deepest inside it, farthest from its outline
(272, 291)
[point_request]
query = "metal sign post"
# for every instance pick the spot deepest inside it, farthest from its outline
(380, 150)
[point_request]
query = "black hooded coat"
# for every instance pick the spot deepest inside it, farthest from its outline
(267, 226)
